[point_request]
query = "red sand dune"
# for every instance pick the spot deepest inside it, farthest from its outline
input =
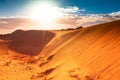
(91, 53)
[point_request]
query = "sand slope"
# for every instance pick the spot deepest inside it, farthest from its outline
(91, 53)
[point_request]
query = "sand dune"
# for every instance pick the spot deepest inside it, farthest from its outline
(91, 53)
(28, 42)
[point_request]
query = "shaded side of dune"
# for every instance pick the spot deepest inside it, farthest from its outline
(28, 42)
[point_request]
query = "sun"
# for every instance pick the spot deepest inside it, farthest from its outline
(44, 12)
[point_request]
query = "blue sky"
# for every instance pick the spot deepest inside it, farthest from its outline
(95, 6)
(11, 7)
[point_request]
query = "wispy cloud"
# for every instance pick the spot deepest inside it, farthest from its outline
(75, 20)
(16, 23)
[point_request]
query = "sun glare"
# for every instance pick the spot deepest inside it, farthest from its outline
(44, 12)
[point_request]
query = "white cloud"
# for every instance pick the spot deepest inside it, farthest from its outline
(70, 9)
(115, 13)
(74, 20)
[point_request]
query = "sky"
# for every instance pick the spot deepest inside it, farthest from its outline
(10, 7)
(16, 13)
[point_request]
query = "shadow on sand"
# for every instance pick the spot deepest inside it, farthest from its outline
(28, 42)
